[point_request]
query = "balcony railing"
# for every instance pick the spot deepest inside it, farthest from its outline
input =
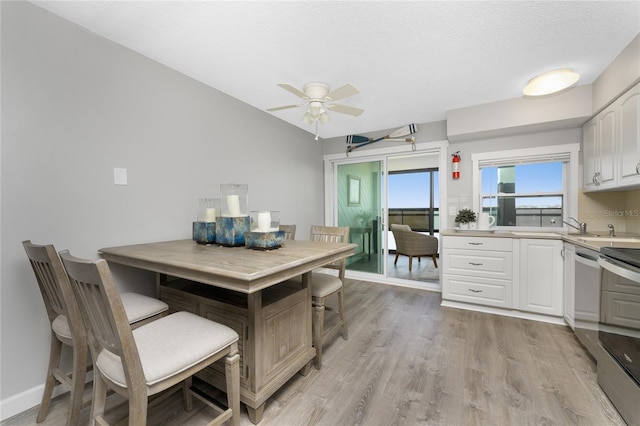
(419, 219)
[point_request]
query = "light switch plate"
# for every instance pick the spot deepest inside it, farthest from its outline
(119, 176)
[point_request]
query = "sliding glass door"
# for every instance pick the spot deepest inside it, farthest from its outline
(368, 194)
(359, 202)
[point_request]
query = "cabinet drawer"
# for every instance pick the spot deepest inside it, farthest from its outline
(478, 243)
(488, 264)
(482, 291)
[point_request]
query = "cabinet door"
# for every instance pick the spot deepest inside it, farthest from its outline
(569, 283)
(629, 134)
(541, 276)
(590, 154)
(607, 141)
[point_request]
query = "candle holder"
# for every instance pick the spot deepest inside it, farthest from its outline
(265, 231)
(234, 222)
(204, 228)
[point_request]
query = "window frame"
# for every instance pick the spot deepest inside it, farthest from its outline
(568, 153)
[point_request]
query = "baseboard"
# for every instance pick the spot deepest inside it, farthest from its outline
(504, 312)
(377, 278)
(30, 398)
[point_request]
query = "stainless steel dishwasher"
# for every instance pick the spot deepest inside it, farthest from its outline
(587, 299)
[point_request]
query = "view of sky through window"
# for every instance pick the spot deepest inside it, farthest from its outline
(412, 190)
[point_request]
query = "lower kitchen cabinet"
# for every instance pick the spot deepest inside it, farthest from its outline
(519, 274)
(477, 270)
(541, 276)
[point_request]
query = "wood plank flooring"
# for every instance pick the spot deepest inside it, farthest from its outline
(409, 361)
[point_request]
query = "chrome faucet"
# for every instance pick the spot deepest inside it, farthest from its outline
(612, 230)
(582, 226)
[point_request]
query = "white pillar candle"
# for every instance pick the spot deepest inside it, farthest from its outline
(210, 214)
(264, 221)
(233, 203)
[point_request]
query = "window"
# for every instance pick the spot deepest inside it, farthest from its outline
(527, 188)
(414, 198)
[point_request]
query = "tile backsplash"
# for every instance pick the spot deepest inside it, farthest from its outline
(621, 209)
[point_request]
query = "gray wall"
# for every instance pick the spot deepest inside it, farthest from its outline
(74, 106)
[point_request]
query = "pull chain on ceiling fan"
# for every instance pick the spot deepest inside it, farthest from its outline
(319, 100)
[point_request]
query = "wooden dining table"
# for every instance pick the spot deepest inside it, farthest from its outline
(249, 291)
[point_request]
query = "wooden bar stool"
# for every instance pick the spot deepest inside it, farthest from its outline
(67, 327)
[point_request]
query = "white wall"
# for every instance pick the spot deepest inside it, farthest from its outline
(74, 106)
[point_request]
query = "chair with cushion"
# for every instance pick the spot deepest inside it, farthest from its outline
(411, 243)
(157, 356)
(289, 231)
(324, 285)
(67, 327)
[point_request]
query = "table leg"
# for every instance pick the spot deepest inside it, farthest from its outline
(255, 414)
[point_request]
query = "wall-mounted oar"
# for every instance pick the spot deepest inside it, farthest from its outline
(395, 135)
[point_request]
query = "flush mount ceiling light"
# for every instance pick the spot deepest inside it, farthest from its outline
(551, 82)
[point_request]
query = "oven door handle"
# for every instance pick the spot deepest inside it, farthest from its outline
(619, 270)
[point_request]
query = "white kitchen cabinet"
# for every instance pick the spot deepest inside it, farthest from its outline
(519, 275)
(569, 258)
(599, 142)
(629, 136)
(541, 276)
(611, 145)
(477, 270)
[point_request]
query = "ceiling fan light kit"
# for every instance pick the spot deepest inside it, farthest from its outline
(319, 100)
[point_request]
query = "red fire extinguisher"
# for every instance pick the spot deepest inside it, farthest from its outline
(455, 165)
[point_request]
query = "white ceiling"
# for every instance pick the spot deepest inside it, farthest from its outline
(411, 61)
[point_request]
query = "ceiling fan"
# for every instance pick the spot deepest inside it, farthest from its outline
(320, 99)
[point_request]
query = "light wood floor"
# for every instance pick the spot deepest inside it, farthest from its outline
(409, 361)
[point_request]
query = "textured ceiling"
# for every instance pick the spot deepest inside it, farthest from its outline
(411, 61)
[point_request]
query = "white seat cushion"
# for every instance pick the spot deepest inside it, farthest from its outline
(60, 326)
(170, 345)
(323, 285)
(139, 307)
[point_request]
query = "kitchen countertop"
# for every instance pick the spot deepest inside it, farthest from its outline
(576, 239)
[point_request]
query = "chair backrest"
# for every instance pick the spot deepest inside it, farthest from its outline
(56, 291)
(289, 231)
(103, 314)
(332, 234)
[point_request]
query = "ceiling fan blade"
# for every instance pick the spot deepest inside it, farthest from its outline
(344, 109)
(293, 90)
(342, 92)
(283, 107)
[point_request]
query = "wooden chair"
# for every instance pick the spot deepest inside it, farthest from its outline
(411, 243)
(157, 356)
(324, 285)
(67, 327)
(289, 231)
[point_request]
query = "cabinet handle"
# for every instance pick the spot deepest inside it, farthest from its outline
(475, 244)
(475, 264)
(475, 291)
(638, 169)
(596, 179)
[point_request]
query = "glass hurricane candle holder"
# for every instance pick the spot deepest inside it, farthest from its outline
(265, 231)
(204, 228)
(233, 223)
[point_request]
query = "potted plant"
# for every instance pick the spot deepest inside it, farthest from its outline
(465, 217)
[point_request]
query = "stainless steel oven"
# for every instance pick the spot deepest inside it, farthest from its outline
(619, 330)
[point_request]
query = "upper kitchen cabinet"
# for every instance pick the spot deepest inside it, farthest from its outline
(599, 136)
(629, 128)
(611, 145)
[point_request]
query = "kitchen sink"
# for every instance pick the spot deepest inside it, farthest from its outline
(535, 234)
(605, 239)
